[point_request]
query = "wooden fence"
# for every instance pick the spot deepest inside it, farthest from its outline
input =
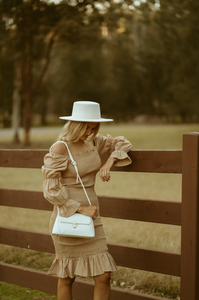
(184, 265)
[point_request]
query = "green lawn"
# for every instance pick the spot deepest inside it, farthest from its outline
(14, 292)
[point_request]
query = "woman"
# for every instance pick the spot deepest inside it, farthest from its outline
(77, 256)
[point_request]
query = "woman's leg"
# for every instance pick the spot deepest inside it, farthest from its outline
(102, 287)
(64, 288)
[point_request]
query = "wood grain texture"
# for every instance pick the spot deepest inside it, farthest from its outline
(146, 259)
(163, 212)
(157, 161)
(126, 256)
(24, 199)
(190, 218)
(22, 158)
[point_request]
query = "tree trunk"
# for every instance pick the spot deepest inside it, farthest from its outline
(27, 115)
(27, 82)
(27, 89)
(16, 102)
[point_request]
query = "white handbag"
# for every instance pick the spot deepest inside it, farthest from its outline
(77, 225)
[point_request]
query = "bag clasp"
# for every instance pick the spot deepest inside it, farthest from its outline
(74, 224)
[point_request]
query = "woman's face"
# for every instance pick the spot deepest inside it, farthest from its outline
(89, 130)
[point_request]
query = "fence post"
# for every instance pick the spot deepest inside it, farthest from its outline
(189, 218)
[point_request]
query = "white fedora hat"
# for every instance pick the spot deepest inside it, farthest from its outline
(86, 111)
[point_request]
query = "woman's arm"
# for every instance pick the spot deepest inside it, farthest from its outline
(118, 148)
(89, 210)
(105, 169)
(55, 163)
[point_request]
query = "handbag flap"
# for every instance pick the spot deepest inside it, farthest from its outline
(76, 218)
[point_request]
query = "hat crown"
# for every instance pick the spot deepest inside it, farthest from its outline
(86, 110)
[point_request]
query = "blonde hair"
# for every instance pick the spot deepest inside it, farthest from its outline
(73, 130)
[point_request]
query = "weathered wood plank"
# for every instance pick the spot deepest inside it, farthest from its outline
(145, 259)
(22, 158)
(158, 161)
(82, 290)
(164, 212)
(24, 199)
(190, 218)
(26, 239)
(28, 278)
(126, 256)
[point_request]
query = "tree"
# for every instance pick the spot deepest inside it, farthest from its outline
(131, 59)
(6, 76)
(16, 102)
(172, 60)
(33, 28)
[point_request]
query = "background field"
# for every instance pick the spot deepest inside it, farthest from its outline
(140, 185)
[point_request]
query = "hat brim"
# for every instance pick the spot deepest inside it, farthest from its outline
(70, 118)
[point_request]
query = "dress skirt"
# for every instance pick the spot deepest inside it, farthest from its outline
(81, 257)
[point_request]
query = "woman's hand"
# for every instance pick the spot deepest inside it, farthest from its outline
(105, 169)
(89, 210)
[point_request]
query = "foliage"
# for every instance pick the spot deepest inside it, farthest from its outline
(138, 65)
(31, 27)
(133, 59)
(175, 58)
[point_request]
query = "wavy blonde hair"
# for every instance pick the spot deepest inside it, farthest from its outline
(73, 130)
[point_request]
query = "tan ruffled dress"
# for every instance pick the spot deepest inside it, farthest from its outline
(77, 257)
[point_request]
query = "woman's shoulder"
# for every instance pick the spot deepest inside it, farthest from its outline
(104, 143)
(99, 137)
(103, 138)
(59, 148)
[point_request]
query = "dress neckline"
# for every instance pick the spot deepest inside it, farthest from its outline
(84, 152)
(75, 154)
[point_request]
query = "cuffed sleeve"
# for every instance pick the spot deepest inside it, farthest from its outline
(118, 147)
(54, 192)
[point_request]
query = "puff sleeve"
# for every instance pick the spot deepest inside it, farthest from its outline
(118, 147)
(54, 192)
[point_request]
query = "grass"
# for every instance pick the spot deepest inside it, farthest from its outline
(141, 185)
(14, 292)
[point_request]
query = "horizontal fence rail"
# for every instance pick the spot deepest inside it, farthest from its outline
(125, 256)
(158, 161)
(164, 212)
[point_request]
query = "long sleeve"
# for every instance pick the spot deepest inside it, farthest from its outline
(118, 147)
(54, 192)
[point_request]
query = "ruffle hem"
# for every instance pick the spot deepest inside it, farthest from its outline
(87, 266)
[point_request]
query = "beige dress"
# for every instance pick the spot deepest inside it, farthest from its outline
(78, 256)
